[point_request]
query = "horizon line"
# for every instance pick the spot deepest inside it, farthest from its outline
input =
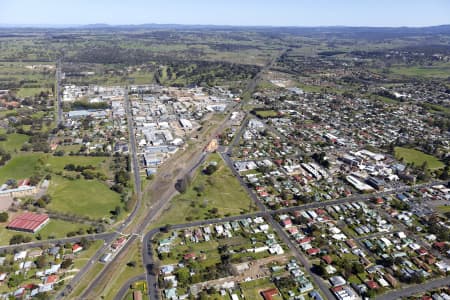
(59, 25)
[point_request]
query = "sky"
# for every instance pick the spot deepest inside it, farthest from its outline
(228, 12)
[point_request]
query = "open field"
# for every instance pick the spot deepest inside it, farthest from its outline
(60, 228)
(221, 190)
(266, 113)
(57, 163)
(418, 158)
(19, 167)
(14, 142)
(87, 198)
(30, 92)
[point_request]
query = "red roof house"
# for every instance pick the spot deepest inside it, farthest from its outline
(372, 285)
(269, 294)
(76, 248)
(327, 259)
(351, 243)
(287, 223)
(189, 256)
(51, 279)
(118, 243)
(313, 251)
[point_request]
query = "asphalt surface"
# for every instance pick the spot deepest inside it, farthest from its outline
(415, 289)
(126, 287)
(108, 236)
(59, 116)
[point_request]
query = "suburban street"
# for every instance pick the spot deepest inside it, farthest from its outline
(415, 289)
(107, 237)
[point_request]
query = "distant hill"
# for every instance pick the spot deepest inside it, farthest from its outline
(370, 33)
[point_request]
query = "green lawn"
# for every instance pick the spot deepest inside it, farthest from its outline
(30, 92)
(221, 190)
(19, 167)
(59, 228)
(14, 142)
(87, 198)
(266, 114)
(252, 289)
(418, 158)
(57, 163)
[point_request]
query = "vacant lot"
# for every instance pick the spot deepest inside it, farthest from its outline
(220, 192)
(417, 158)
(87, 198)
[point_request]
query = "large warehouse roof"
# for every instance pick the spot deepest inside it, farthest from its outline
(28, 222)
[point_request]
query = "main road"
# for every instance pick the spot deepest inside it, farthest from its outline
(131, 217)
(59, 114)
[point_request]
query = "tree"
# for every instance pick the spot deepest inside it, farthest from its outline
(210, 169)
(34, 180)
(183, 275)
(15, 280)
(85, 243)
(444, 175)
(4, 217)
(182, 184)
(19, 239)
(199, 189)
(131, 264)
(41, 262)
(320, 269)
(357, 268)
(41, 203)
(116, 211)
(66, 263)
